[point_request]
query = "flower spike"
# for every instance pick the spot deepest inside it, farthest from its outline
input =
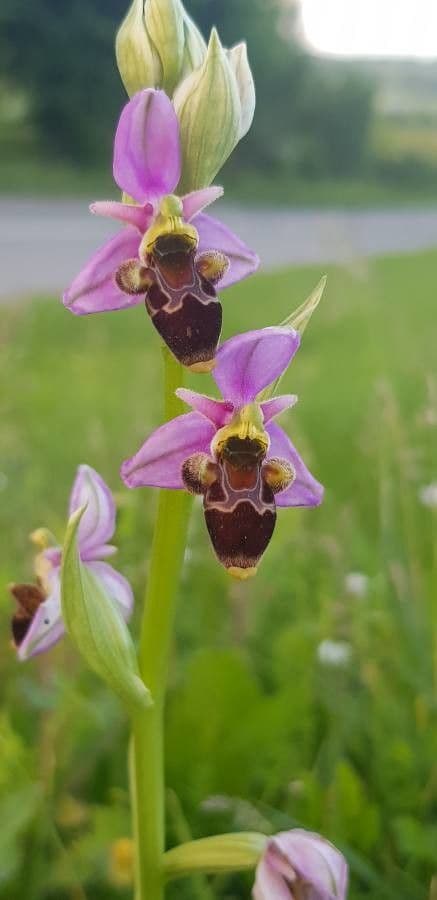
(171, 255)
(231, 452)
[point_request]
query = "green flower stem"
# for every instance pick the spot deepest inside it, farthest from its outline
(156, 633)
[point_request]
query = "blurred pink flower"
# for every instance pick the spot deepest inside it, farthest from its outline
(38, 624)
(301, 865)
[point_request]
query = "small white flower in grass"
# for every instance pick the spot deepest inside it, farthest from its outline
(428, 495)
(216, 803)
(334, 653)
(356, 584)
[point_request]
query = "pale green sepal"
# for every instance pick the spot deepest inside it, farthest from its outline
(137, 59)
(208, 106)
(298, 320)
(220, 853)
(96, 627)
(237, 57)
(165, 25)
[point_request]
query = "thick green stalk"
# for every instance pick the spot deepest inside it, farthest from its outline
(156, 633)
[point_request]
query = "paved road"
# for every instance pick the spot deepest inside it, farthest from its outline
(43, 243)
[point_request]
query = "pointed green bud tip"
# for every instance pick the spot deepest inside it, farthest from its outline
(194, 48)
(299, 319)
(137, 59)
(208, 106)
(157, 45)
(239, 63)
(96, 627)
(219, 853)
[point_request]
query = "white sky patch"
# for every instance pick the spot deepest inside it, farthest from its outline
(405, 28)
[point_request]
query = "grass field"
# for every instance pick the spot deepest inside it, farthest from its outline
(263, 732)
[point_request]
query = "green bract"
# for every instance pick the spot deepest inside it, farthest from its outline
(96, 627)
(219, 853)
(299, 319)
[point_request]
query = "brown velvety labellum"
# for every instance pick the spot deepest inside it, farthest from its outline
(240, 536)
(182, 303)
(29, 597)
(240, 509)
(191, 332)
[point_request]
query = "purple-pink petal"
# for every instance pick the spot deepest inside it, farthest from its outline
(248, 363)
(53, 555)
(47, 626)
(159, 461)
(214, 235)
(305, 490)
(269, 884)
(277, 405)
(95, 288)
(139, 217)
(196, 201)
(97, 524)
(115, 585)
(218, 412)
(147, 161)
(314, 860)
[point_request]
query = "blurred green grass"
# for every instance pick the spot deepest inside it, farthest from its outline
(261, 733)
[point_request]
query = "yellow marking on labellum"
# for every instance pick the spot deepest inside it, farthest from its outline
(169, 223)
(242, 574)
(205, 365)
(43, 570)
(246, 424)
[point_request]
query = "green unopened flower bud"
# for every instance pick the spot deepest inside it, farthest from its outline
(96, 626)
(237, 57)
(157, 45)
(165, 26)
(209, 111)
(220, 853)
(194, 48)
(138, 62)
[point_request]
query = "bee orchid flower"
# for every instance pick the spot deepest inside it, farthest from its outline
(169, 254)
(300, 865)
(37, 623)
(232, 452)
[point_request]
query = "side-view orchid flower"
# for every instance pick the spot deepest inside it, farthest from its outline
(232, 452)
(300, 865)
(170, 253)
(37, 623)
